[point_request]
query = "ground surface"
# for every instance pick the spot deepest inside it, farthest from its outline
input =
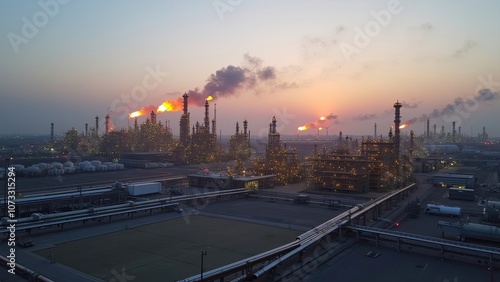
(168, 250)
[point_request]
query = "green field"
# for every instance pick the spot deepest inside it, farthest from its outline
(168, 250)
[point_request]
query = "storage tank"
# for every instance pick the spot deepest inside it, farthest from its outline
(480, 231)
(442, 209)
(57, 165)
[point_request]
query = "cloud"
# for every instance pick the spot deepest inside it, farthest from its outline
(365, 117)
(426, 26)
(459, 104)
(409, 105)
(468, 45)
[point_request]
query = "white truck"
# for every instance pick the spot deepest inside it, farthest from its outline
(139, 189)
(444, 210)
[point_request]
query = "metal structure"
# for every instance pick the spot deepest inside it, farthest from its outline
(302, 242)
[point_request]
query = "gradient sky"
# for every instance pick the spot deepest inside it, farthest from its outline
(87, 56)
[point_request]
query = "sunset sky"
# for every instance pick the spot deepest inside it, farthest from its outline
(69, 61)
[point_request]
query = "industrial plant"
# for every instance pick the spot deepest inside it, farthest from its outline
(375, 187)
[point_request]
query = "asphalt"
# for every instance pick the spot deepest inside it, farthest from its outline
(389, 266)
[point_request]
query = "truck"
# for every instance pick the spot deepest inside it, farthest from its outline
(444, 210)
(146, 188)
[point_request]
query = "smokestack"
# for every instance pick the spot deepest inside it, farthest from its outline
(245, 127)
(459, 131)
(185, 103)
(152, 117)
(51, 132)
(108, 124)
(97, 126)
(412, 143)
(453, 132)
(442, 130)
(397, 121)
(435, 131)
(86, 130)
(237, 128)
(207, 119)
(184, 123)
(214, 121)
(274, 125)
(428, 131)
(375, 135)
(136, 125)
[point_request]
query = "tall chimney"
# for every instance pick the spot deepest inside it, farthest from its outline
(459, 131)
(375, 135)
(397, 121)
(453, 132)
(214, 121)
(152, 117)
(86, 130)
(108, 124)
(207, 119)
(435, 131)
(428, 131)
(97, 126)
(185, 103)
(237, 128)
(245, 127)
(136, 125)
(51, 132)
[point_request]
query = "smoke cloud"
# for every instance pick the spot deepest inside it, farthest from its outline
(365, 117)
(468, 45)
(459, 105)
(229, 80)
(322, 122)
(226, 82)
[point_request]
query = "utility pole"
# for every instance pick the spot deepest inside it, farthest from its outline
(203, 253)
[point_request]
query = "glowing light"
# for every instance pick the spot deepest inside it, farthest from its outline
(322, 118)
(403, 126)
(135, 114)
(210, 98)
(170, 106)
(302, 128)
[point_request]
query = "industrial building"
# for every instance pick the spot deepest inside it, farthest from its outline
(454, 180)
(278, 160)
(375, 168)
(219, 181)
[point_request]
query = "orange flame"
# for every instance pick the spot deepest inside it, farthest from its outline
(322, 118)
(135, 114)
(170, 106)
(143, 111)
(210, 98)
(403, 126)
(302, 128)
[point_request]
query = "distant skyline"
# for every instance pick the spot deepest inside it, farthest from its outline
(69, 61)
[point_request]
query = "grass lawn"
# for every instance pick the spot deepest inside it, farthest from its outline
(168, 250)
